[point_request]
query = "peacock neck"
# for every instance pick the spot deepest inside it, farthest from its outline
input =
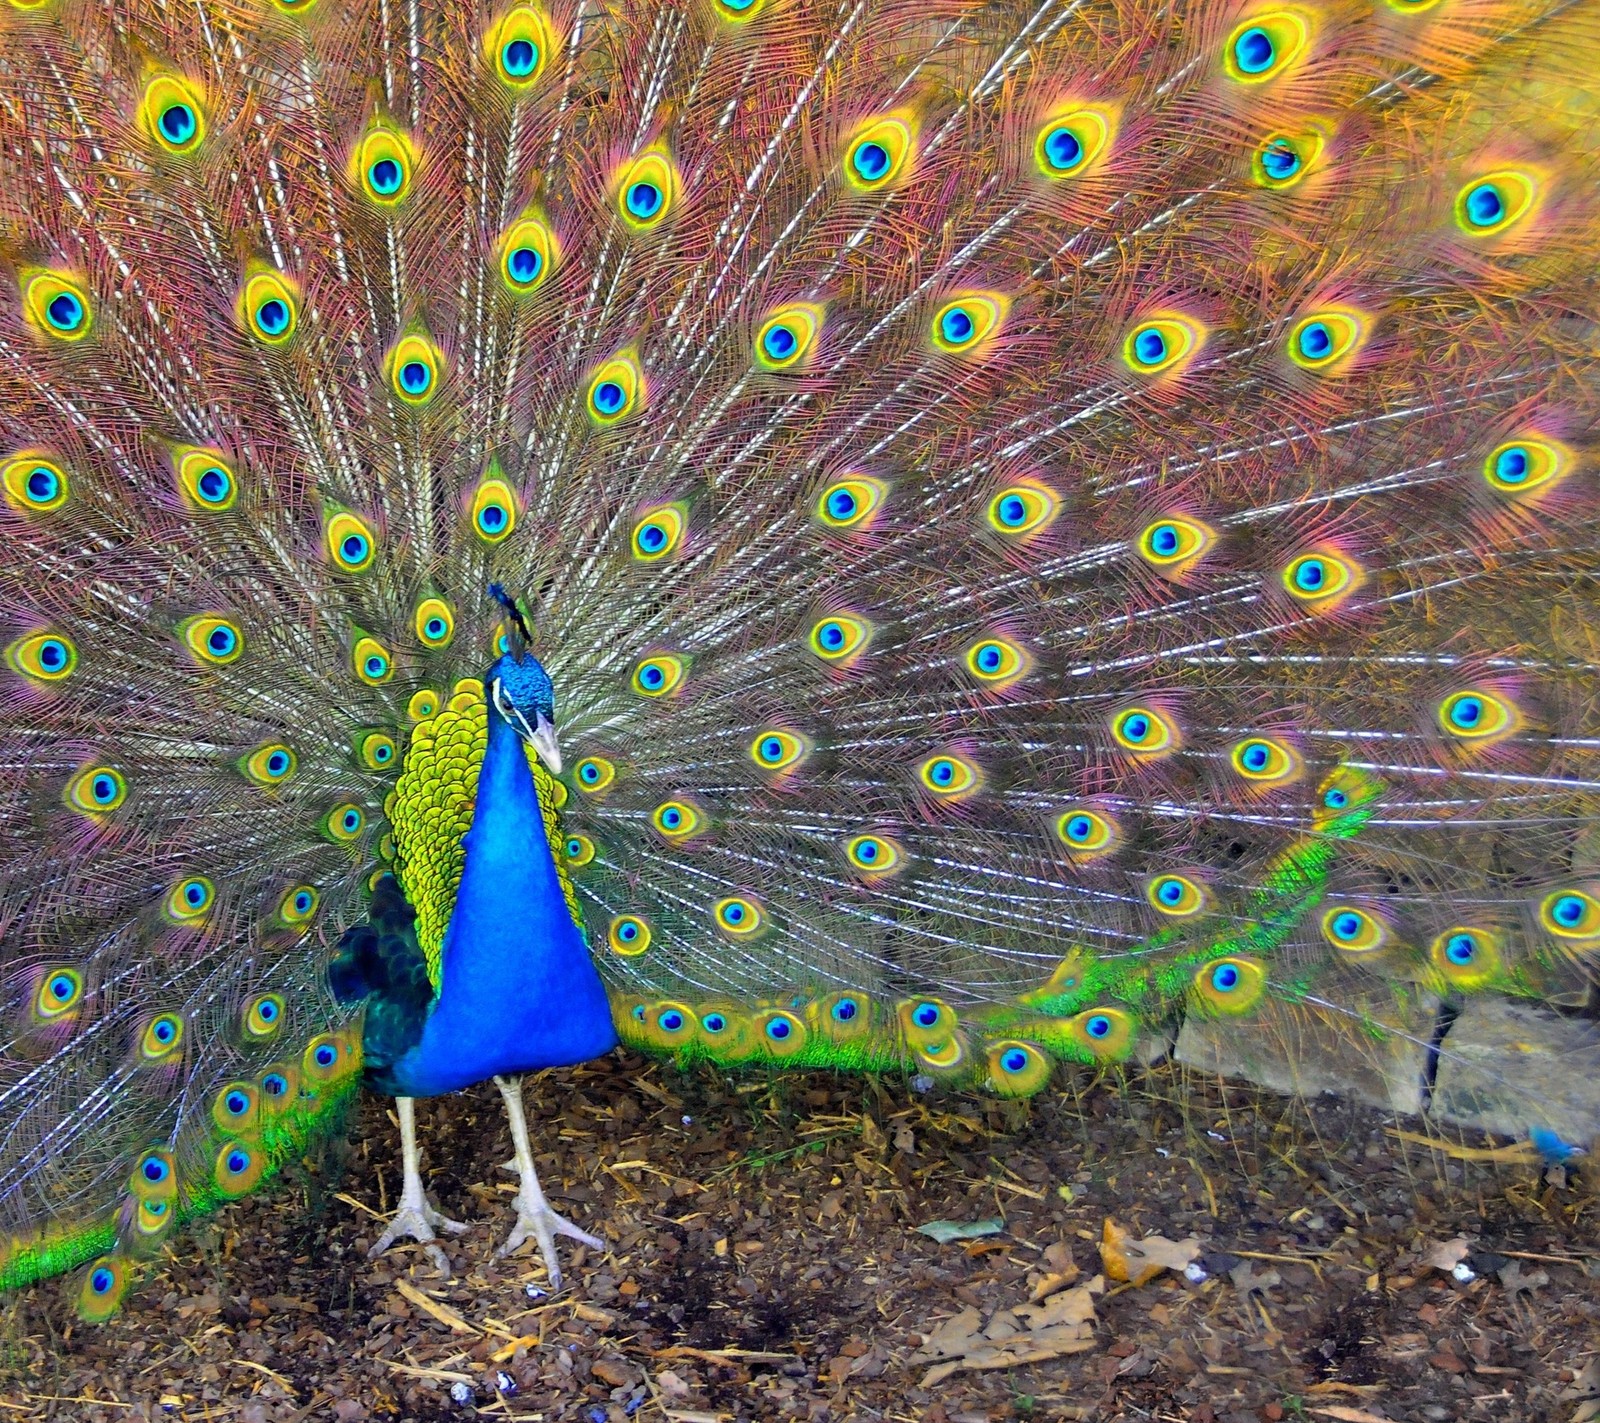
(518, 989)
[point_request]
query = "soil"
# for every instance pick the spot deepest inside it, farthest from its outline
(764, 1263)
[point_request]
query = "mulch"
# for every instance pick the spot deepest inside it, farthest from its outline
(765, 1263)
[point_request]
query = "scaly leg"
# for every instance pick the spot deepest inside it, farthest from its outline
(415, 1216)
(534, 1216)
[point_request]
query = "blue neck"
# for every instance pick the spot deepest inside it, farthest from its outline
(519, 990)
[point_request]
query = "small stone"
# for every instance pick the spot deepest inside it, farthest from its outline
(461, 1393)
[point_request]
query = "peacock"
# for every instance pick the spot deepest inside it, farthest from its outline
(908, 536)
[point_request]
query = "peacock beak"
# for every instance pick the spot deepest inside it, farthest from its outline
(544, 742)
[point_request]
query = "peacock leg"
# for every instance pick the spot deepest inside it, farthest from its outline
(534, 1216)
(416, 1217)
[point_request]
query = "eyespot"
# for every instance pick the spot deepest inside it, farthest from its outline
(1322, 579)
(647, 189)
(1265, 46)
(423, 704)
(154, 1176)
(529, 253)
(1175, 896)
(1489, 205)
(658, 533)
(236, 1107)
(1478, 715)
(327, 1057)
(579, 851)
(1322, 340)
(879, 152)
(350, 543)
(1265, 761)
(104, 1286)
(670, 1025)
(298, 904)
(839, 637)
(1161, 343)
(161, 1039)
(1571, 914)
(1526, 465)
(1072, 142)
(519, 46)
(1144, 732)
(416, 369)
(56, 305)
(946, 1056)
(780, 1033)
(739, 12)
(1101, 1034)
(434, 623)
(377, 750)
(927, 1022)
(658, 675)
(190, 899)
(212, 638)
(996, 662)
(43, 656)
(237, 1169)
(778, 750)
(949, 776)
(384, 164)
(874, 856)
(344, 822)
(60, 992)
(1466, 957)
(788, 336)
(34, 484)
(965, 323)
(1017, 1069)
(269, 308)
(628, 935)
(1088, 834)
(1022, 509)
(1173, 544)
(594, 773)
(1283, 159)
(1230, 985)
(97, 790)
(739, 916)
(371, 661)
(843, 1017)
(851, 502)
(494, 510)
(677, 820)
(1352, 930)
(280, 1088)
(206, 480)
(171, 113)
(616, 390)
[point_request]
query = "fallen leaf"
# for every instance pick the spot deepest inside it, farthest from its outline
(1446, 1254)
(1349, 1415)
(1139, 1260)
(1515, 1281)
(944, 1231)
(1246, 1279)
(1024, 1334)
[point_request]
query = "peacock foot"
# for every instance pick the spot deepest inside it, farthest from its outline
(536, 1221)
(419, 1220)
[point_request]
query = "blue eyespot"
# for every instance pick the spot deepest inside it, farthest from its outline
(385, 175)
(1279, 160)
(671, 817)
(1062, 150)
(519, 58)
(1336, 799)
(652, 538)
(178, 123)
(779, 343)
(1253, 51)
(1568, 911)
(1345, 926)
(302, 902)
(627, 931)
(589, 773)
(1256, 756)
(102, 1281)
(652, 676)
(52, 654)
(272, 316)
(236, 1103)
(942, 772)
(845, 1010)
(1316, 341)
(1137, 727)
(1225, 978)
(1013, 511)
(1014, 1060)
(1484, 205)
(714, 1023)
(1466, 712)
(870, 160)
(164, 1030)
(956, 326)
(351, 820)
(1170, 891)
(491, 518)
(1099, 1026)
(103, 789)
(354, 548)
(772, 749)
(62, 988)
(376, 665)
(1310, 574)
(779, 1028)
(267, 1011)
(925, 1015)
(842, 504)
(326, 1055)
(867, 851)
(831, 636)
(609, 397)
(671, 1021)
(274, 1084)
(1461, 949)
(43, 485)
(195, 894)
(644, 199)
(1164, 540)
(733, 913)
(222, 640)
(524, 264)
(65, 312)
(214, 486)
(415, 377)
(238, 1161)
(1149, 346)
(990, 658)
(154, 1170)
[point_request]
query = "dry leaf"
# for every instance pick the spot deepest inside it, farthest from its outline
(1514, 1280)
(1139, 1260)
(1349, 1415)
(944, 1231)
(1025, 1334)
(1447, 1254)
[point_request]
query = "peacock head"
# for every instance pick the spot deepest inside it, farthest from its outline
(520, 689)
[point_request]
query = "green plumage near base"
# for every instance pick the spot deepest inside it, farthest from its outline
(1041, 518)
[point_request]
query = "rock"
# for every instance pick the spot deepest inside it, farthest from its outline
(1507, 1065)
(1295, 1048)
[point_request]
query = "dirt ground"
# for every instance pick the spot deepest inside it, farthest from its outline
(764, 1264)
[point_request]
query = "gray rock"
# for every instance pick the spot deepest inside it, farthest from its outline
(1379, 1056)
(1507, 1065)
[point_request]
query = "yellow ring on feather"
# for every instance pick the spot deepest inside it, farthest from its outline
(997, 662)
(371, 662)
(206, 479)
(1073, 140)
(162, 1038)
(879, 152)
(494, 509)
(1023, 509)
(1088, 834)
(843, 1017)
(1176, 896)
(782, 1034)
(416, 370)
(34, 483)
(43, 656)
(269, 307)
(154, 1176)
(1266, 45)
(658, 675)
(950, 777)
(616, 390)
(647, 189)
(677, 821)
(1487, 206)
(1173, 544)
(1526, 466)
(1145, 733)
(628, 935)
(839, 637)
(787, 337)
(739, 916)
(378, 751)
(59, 993)
(1467, 957)
(1017, 1069)
(874, 856)
(528, 254)
(777, 750)
(344, 823)
(519, 45)
(1265, 761)
(658, 532)
(172, 115)
(1161, 343)
(594, 774)
(237, 1169)
(263, 1016)
(670, 1025)
(56, 305)
(213, 638)
(926, 1020)
(944, 1056)
(851, 502)
(434, 623)
(423, 705)
(104, 1285)
(966, 323)
(1322, 578)
(190, 900)
(329, 1057)
(298, 904)
(1231, 985)
(579, 850)
(1478, 717)
(280, 1088)
(384, 165)
(1325, 339)
(1571, 914)
(97, 791)
(1105, 1034)
(237, 1107)
(350, 543)
(1352, 930)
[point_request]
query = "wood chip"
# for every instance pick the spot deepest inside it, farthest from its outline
(442, 1312)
